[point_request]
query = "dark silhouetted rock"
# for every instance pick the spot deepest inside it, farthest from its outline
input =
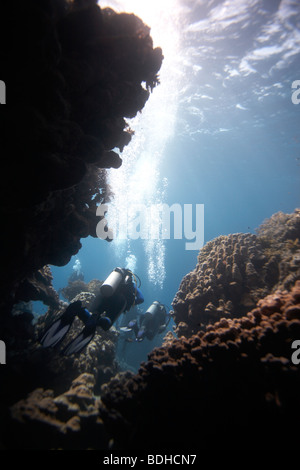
(73, 72)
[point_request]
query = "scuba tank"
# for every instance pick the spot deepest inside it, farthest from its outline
(112, 282)
(154, 307)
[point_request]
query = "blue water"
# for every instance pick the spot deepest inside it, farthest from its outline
(235, 144)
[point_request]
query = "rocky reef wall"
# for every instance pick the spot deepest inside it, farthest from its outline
(73, 72)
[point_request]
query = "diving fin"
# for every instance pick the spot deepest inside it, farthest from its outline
(55, 333)
(58, 330)
(80, 342)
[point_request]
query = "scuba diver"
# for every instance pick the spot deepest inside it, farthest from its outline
(154, 321)
(118, 294)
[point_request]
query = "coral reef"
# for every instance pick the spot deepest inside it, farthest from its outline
(234, 376)
(235, 271)
(75, 287)
(61, 420)
(73, 72)
(232, 385)
(280, 236)
(38, 286)
(281, 227)
(29, 365)
(17, 329)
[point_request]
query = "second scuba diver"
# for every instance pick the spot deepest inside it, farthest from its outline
(118, 294)
(154, 321)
